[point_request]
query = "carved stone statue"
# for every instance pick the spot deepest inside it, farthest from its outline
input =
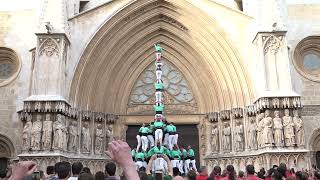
(99, 139)
(252, 134)
(226, 137)
(288, 126)
(86, 138)
(215, 138)
(298, 127)
(59, 138)
(260, 129)
(26, 133)
(73, 136)
(278, 129)
(36, 133)
(47, 133)
(238, 136)
(267, 129)
(109, 134)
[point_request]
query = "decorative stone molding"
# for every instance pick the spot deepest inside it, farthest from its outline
(272, 43)
(10, 65)
(49, 46)
(225, 114)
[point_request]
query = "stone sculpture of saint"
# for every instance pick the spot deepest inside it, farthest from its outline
(47, 133)
(288, 128)
(298, 127)
(238, 136)
(215, 139)
(260, 129)
(267, 129)
(26, 133)
(36, 133)
(59, 133)
(278, 129)
(73, 136)
(226, 137)
(86, 138)
(109, 133)
(99, 139)
(252, 134)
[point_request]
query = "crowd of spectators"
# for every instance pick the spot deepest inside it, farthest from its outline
(119, 152)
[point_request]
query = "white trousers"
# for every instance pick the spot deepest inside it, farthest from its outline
(158, 74)
(166, 139)
(159, 164)
(181, 166)
(139, 143)
(158, 135)
(144, 142)
(188, 167)
(158, 96)
(171, 141)
(140, 164)
(176, 138)
(151, 140)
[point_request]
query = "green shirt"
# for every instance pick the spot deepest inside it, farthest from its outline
(133, 153)
(139, 155)
(144, 130)
(150, 130)
(158, 47)
(184, 153)
(158, 108)
(158, 124)
(158, 85)
(171, 128)
(191, 153)
(175, 154)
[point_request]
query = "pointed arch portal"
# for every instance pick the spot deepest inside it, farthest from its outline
(122, 49)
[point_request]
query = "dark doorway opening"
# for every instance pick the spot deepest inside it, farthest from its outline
(188, 135)
(318, 158)
(3, 164)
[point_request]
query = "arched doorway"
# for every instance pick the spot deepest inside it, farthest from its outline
(6, 152)
(122, 50)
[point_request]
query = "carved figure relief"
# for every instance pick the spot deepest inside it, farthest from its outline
(109, 134)
(267, 129)
(252, 133)
(73, 136)
(47, 133)
(86, 138)
(215, 138)
(99, 139)
(227, 137)
(272, 45)
(59, 128)
(26, 133)
(278, 129)
(298, 127)
(36, 133)
(238, 136)
(288, 127)
(260, 129)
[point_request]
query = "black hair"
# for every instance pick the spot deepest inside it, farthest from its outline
(86, 170)
(76, 168)
(250, 169)
(231, 172)
(99, 175)
(110, 168)
(301, 175)
(86, 176)
(176, 171)
(50, 170)
(63, 169)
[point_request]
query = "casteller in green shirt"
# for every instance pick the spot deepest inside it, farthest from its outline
(158, 124)
(158, 86)
(175, 154)
(139, 155)
(158, 47)
(190, 153)
(158, 108)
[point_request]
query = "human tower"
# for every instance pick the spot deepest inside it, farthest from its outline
(160, 138)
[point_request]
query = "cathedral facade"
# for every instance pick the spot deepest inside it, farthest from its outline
(76, 74)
